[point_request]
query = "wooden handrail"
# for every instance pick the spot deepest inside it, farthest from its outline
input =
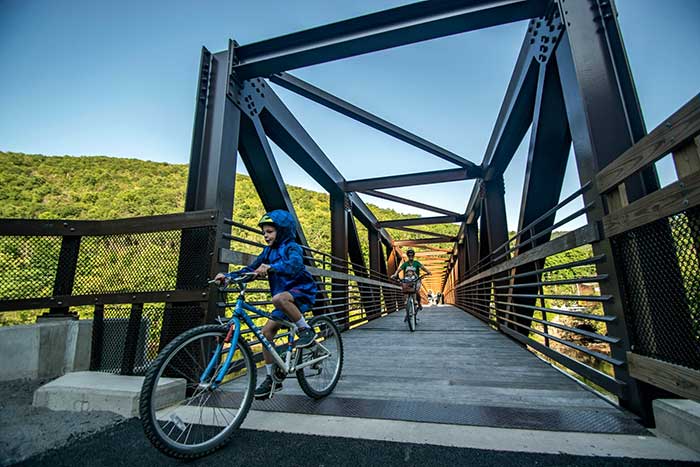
(670, 134)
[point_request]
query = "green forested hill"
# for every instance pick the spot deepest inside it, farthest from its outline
(66, 187)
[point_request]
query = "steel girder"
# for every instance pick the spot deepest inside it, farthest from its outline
(286, 131)
(261, 165)
(424, 178)
(320, 96)
(378, 31)
(548, 153)
(408, 202)
(421, 221)
(605, 119)
(423, 241)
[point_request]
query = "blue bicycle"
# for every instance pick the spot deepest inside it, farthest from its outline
(200, 387)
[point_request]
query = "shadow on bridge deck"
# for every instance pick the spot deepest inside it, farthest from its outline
(455, 370)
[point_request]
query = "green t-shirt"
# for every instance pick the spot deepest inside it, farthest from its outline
(414, 265)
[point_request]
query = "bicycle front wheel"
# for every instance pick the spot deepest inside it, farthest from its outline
(411, 314)
(187, 417)
(319, 379)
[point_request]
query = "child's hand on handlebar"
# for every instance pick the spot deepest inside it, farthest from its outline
(220, 279)
(262, 270)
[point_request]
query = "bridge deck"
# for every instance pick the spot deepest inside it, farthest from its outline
(454, 369)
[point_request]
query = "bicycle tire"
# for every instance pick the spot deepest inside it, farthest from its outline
(328, 336)
(414, 318)
(184, 358)
(410, 314)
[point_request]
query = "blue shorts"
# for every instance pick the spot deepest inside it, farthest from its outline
(303, 300)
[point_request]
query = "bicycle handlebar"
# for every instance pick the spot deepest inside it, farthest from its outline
(416, 279)
(244, 277)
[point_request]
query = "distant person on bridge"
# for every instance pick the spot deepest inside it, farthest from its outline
(412, 267)
(292, 286)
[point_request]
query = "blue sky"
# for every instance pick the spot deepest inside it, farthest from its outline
(118, 78)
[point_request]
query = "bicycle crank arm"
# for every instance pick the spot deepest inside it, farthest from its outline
(309, 363)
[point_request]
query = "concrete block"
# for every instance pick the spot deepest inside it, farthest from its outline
(78, 346)
(678, 419)
(53, 338)
(86, 391)
(18, 347)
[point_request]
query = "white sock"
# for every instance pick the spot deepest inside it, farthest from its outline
(301, 324)
(268, 368)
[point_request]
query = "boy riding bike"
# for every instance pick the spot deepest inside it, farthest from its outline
(411, 268)
(293, 289)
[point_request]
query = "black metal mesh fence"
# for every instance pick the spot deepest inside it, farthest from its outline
(28, 266)
(127, 338)
(660, 274)
(141, 262)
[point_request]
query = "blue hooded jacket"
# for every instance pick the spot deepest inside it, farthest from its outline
(286, 260)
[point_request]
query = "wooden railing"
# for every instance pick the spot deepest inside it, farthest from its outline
(663, 308)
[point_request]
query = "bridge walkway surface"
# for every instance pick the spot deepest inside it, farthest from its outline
(454, 369)
(452, 393)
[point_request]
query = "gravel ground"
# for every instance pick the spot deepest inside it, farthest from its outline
(26, 431)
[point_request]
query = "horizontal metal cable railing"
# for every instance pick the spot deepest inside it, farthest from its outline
(531, 289)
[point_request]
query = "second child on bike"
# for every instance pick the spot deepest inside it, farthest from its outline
(292, 287)
(411, 268)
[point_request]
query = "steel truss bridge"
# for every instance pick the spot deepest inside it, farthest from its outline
(571, 85)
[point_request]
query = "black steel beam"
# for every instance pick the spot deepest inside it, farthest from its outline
(326, 99)
(430, 254)
(212, 173)
(471, 241)
(362, 212)
(375, 252)
(421, 221)
(424, 178)
(408, 202)
(515, 115)
(423, 241)
(548, 153)
(210, 185)
(378, 31)
(418, 231)
(339, 249)
(260, 161)
(286, 131)
(605, 120)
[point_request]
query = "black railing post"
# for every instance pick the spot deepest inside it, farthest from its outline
(339, 249)
(98, 327)
(65, 277)
(132, 339)
(495, 209)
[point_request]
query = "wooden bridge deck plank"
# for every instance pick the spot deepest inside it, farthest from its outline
(452, 358)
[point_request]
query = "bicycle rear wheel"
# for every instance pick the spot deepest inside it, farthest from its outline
(319, 379)
(411, 314)
(186, 418)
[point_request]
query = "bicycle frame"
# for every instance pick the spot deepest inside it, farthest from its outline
(234, 333)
